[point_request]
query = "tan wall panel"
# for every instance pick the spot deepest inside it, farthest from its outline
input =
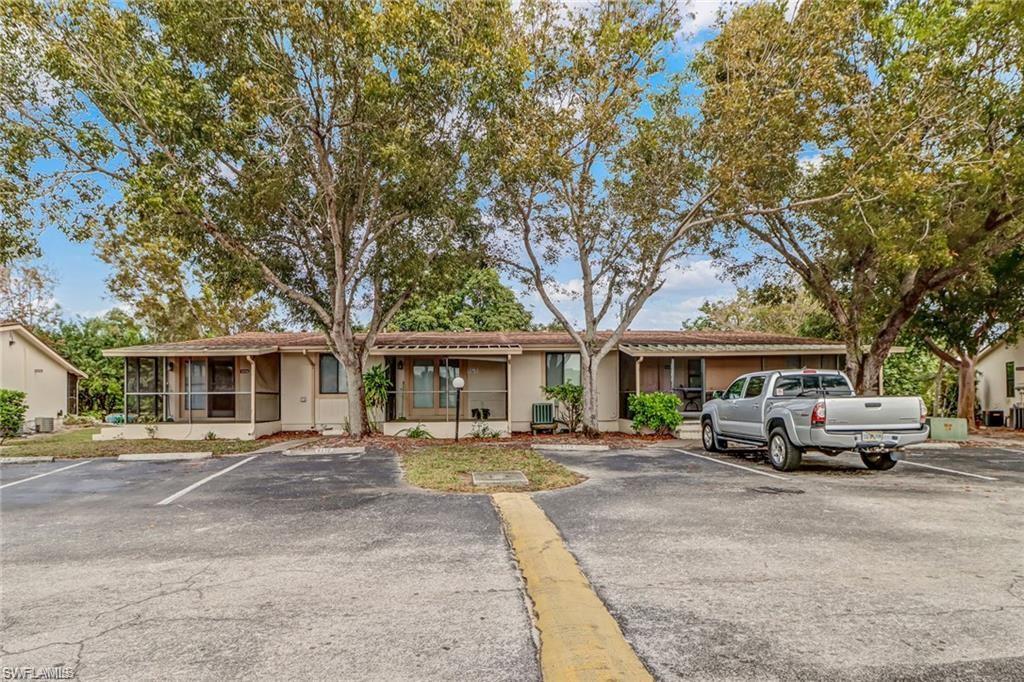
(720, 372)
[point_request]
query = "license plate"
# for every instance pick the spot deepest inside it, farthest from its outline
(871, 437)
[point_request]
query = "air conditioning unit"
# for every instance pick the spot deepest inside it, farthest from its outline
(44, 424)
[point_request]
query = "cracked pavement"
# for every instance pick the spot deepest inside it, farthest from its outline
(307, 567)
(332, 568)
(905, 574)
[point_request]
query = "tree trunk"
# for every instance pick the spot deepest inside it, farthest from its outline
(588, 377)
(358, 420)
(965, 391)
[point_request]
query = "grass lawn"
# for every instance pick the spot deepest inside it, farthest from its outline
(448, 467)
(75, 443)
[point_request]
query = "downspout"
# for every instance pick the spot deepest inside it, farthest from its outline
(125, 396)
(252, 395)
(312, 389)
(636, 388)
(508, 393)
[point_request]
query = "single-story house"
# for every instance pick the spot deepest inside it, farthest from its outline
(1000, 369)
(49, 381)
(254, 384)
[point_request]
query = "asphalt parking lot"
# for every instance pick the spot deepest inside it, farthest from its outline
(829, 572)
(299, 567)
(716, 567)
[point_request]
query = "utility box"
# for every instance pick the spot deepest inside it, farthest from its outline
(995, 418)
(44, 424)
(948, 428)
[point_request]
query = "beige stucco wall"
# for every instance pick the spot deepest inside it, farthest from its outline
(24, 367)
(528, 377)
(992, 377)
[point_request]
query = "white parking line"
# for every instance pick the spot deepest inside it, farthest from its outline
(730, 464)
(209, 478)
(46, 473)
(950, 471)
(1016, 452)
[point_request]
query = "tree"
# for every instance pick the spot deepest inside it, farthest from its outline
(790, 311)
(82, 343)
(478, 301)
(960, 321)
(912, 111)
(322, 151)
(26, 296)
(173, 300)
(605, 171)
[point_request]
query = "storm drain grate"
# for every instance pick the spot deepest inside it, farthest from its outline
(511, 478)
(769, 490)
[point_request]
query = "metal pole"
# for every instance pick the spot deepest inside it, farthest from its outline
(458, 401)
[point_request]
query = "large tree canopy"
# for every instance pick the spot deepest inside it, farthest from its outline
(912, 111)
(605, 168)
(971, 313)
(476, 300)
(319, 150)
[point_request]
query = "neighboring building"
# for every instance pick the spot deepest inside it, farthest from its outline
(1000, 369)
(28, 364)
(254, 384)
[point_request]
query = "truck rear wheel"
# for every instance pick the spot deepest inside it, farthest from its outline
(707, 435)
(882, 461)
(782, 454)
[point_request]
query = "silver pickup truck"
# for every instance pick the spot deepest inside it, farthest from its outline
(791, 411)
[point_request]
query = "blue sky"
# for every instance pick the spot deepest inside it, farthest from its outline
(80, 276)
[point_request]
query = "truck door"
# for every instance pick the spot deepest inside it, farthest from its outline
(748, 408)
(727, 409)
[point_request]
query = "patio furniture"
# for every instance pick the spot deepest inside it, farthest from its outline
(481, 413)
(690, 398)
(543, 417)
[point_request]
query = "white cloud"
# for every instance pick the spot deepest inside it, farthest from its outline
(687, 286)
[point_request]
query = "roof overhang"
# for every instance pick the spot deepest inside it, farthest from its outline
(157, 352)
(448, 349)
(726, 350)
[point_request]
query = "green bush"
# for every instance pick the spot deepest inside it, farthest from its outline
(569, 397)
(656, 411)
(376, 385)
(12, 413)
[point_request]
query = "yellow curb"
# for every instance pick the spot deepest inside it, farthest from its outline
(579, 639)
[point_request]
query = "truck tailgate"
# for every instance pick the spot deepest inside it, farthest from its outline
(872, 413)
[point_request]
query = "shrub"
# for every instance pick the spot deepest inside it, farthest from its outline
(12, 413)
(569, 398)
(376, 385)
(482, 430)
(656, 411)
(418, 431)
(79, 420)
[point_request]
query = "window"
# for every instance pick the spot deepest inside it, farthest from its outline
(197, 383)
(833, 384)
(812, 384)
(423, 384)
(734, 391)
(332, 375)
(788, 386)
(562, 368)
(143, 375)
(1009, 379)
(447, 391)
(754, 387)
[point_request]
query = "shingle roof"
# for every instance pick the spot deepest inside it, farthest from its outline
(267, 342)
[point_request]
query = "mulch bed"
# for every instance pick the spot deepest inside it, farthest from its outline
(518, 440)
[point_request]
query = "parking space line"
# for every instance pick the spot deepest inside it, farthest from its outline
(1016, 452)
(186, 491)
(731, 464)
(45, 473)
(949, 471)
